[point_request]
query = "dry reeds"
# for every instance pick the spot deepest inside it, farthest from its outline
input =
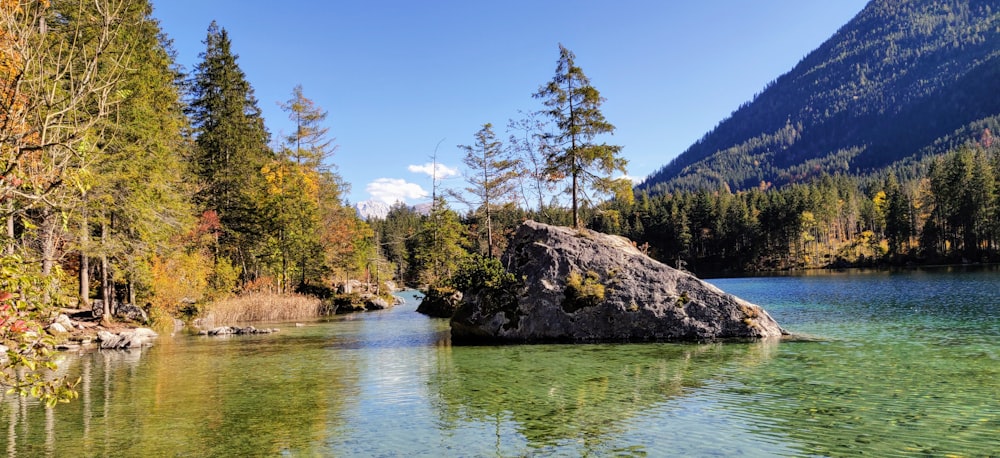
(261, 307)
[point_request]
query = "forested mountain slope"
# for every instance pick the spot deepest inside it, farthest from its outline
(900, 81)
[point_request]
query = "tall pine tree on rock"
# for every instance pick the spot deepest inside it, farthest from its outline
(575, 107)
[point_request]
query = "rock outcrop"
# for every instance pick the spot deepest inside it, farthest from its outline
(361, 302)
(584, 286)
(440, 302)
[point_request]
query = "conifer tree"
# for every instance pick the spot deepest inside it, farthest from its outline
(491, 176)
(575, 107)
(231, 150)
(438, 246)
(309, 144)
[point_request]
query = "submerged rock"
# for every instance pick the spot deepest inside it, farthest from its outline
(236, 330)
(584, 286)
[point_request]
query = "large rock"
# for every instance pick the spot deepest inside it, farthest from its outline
(583, 286)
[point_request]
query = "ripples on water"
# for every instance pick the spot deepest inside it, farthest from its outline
(898, 364)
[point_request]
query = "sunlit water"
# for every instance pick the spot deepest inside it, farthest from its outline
(896, 364)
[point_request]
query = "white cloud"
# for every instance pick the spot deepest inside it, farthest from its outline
(443, 171)
(392, 190)
(634, 180)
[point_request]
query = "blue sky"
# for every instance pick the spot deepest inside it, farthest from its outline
(398, 77)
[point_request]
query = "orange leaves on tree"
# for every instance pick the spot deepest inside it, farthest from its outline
(209, 223)
(10, 318)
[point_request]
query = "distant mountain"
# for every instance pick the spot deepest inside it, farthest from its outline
(901, 81)
(372, 209)
(423, 209)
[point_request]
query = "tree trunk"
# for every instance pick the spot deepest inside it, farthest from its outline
(84, 262)
(48, 242)
(48, 251)
(283, 283)
(10, 229)
(576, 214)
(107, 288)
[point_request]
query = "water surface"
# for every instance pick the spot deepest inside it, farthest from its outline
(898, 364)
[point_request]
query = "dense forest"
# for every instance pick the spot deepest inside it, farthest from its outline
(128, 181)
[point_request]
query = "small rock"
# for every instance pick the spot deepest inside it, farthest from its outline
(64, 321)
(220, 331)
(57, 328)
(376, 303)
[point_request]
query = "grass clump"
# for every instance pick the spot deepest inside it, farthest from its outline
(582, 291)
(261, 307)
(750, 314)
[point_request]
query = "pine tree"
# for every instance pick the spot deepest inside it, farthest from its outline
(574, 106)
(897, 219)
(309, 144)
(231, 150)
(491, 176)
(438, 249)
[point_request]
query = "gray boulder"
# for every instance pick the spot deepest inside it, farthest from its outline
(64, 320)
(373, 302)
(131, 312)
(583, 286)
(132, 338)
(57, 328)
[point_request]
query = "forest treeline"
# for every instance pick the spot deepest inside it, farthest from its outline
(950, 214)
(126, 180)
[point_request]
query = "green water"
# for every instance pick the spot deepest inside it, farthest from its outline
(900, 364)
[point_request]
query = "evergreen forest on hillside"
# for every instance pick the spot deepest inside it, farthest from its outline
(900, 83)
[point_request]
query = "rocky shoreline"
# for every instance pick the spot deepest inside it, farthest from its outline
(81, 329)
(83, 332)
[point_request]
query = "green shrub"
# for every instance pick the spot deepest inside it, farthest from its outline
(478, 273)
(582, 291)
(487, 278)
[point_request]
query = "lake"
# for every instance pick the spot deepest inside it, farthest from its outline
(895, 364)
